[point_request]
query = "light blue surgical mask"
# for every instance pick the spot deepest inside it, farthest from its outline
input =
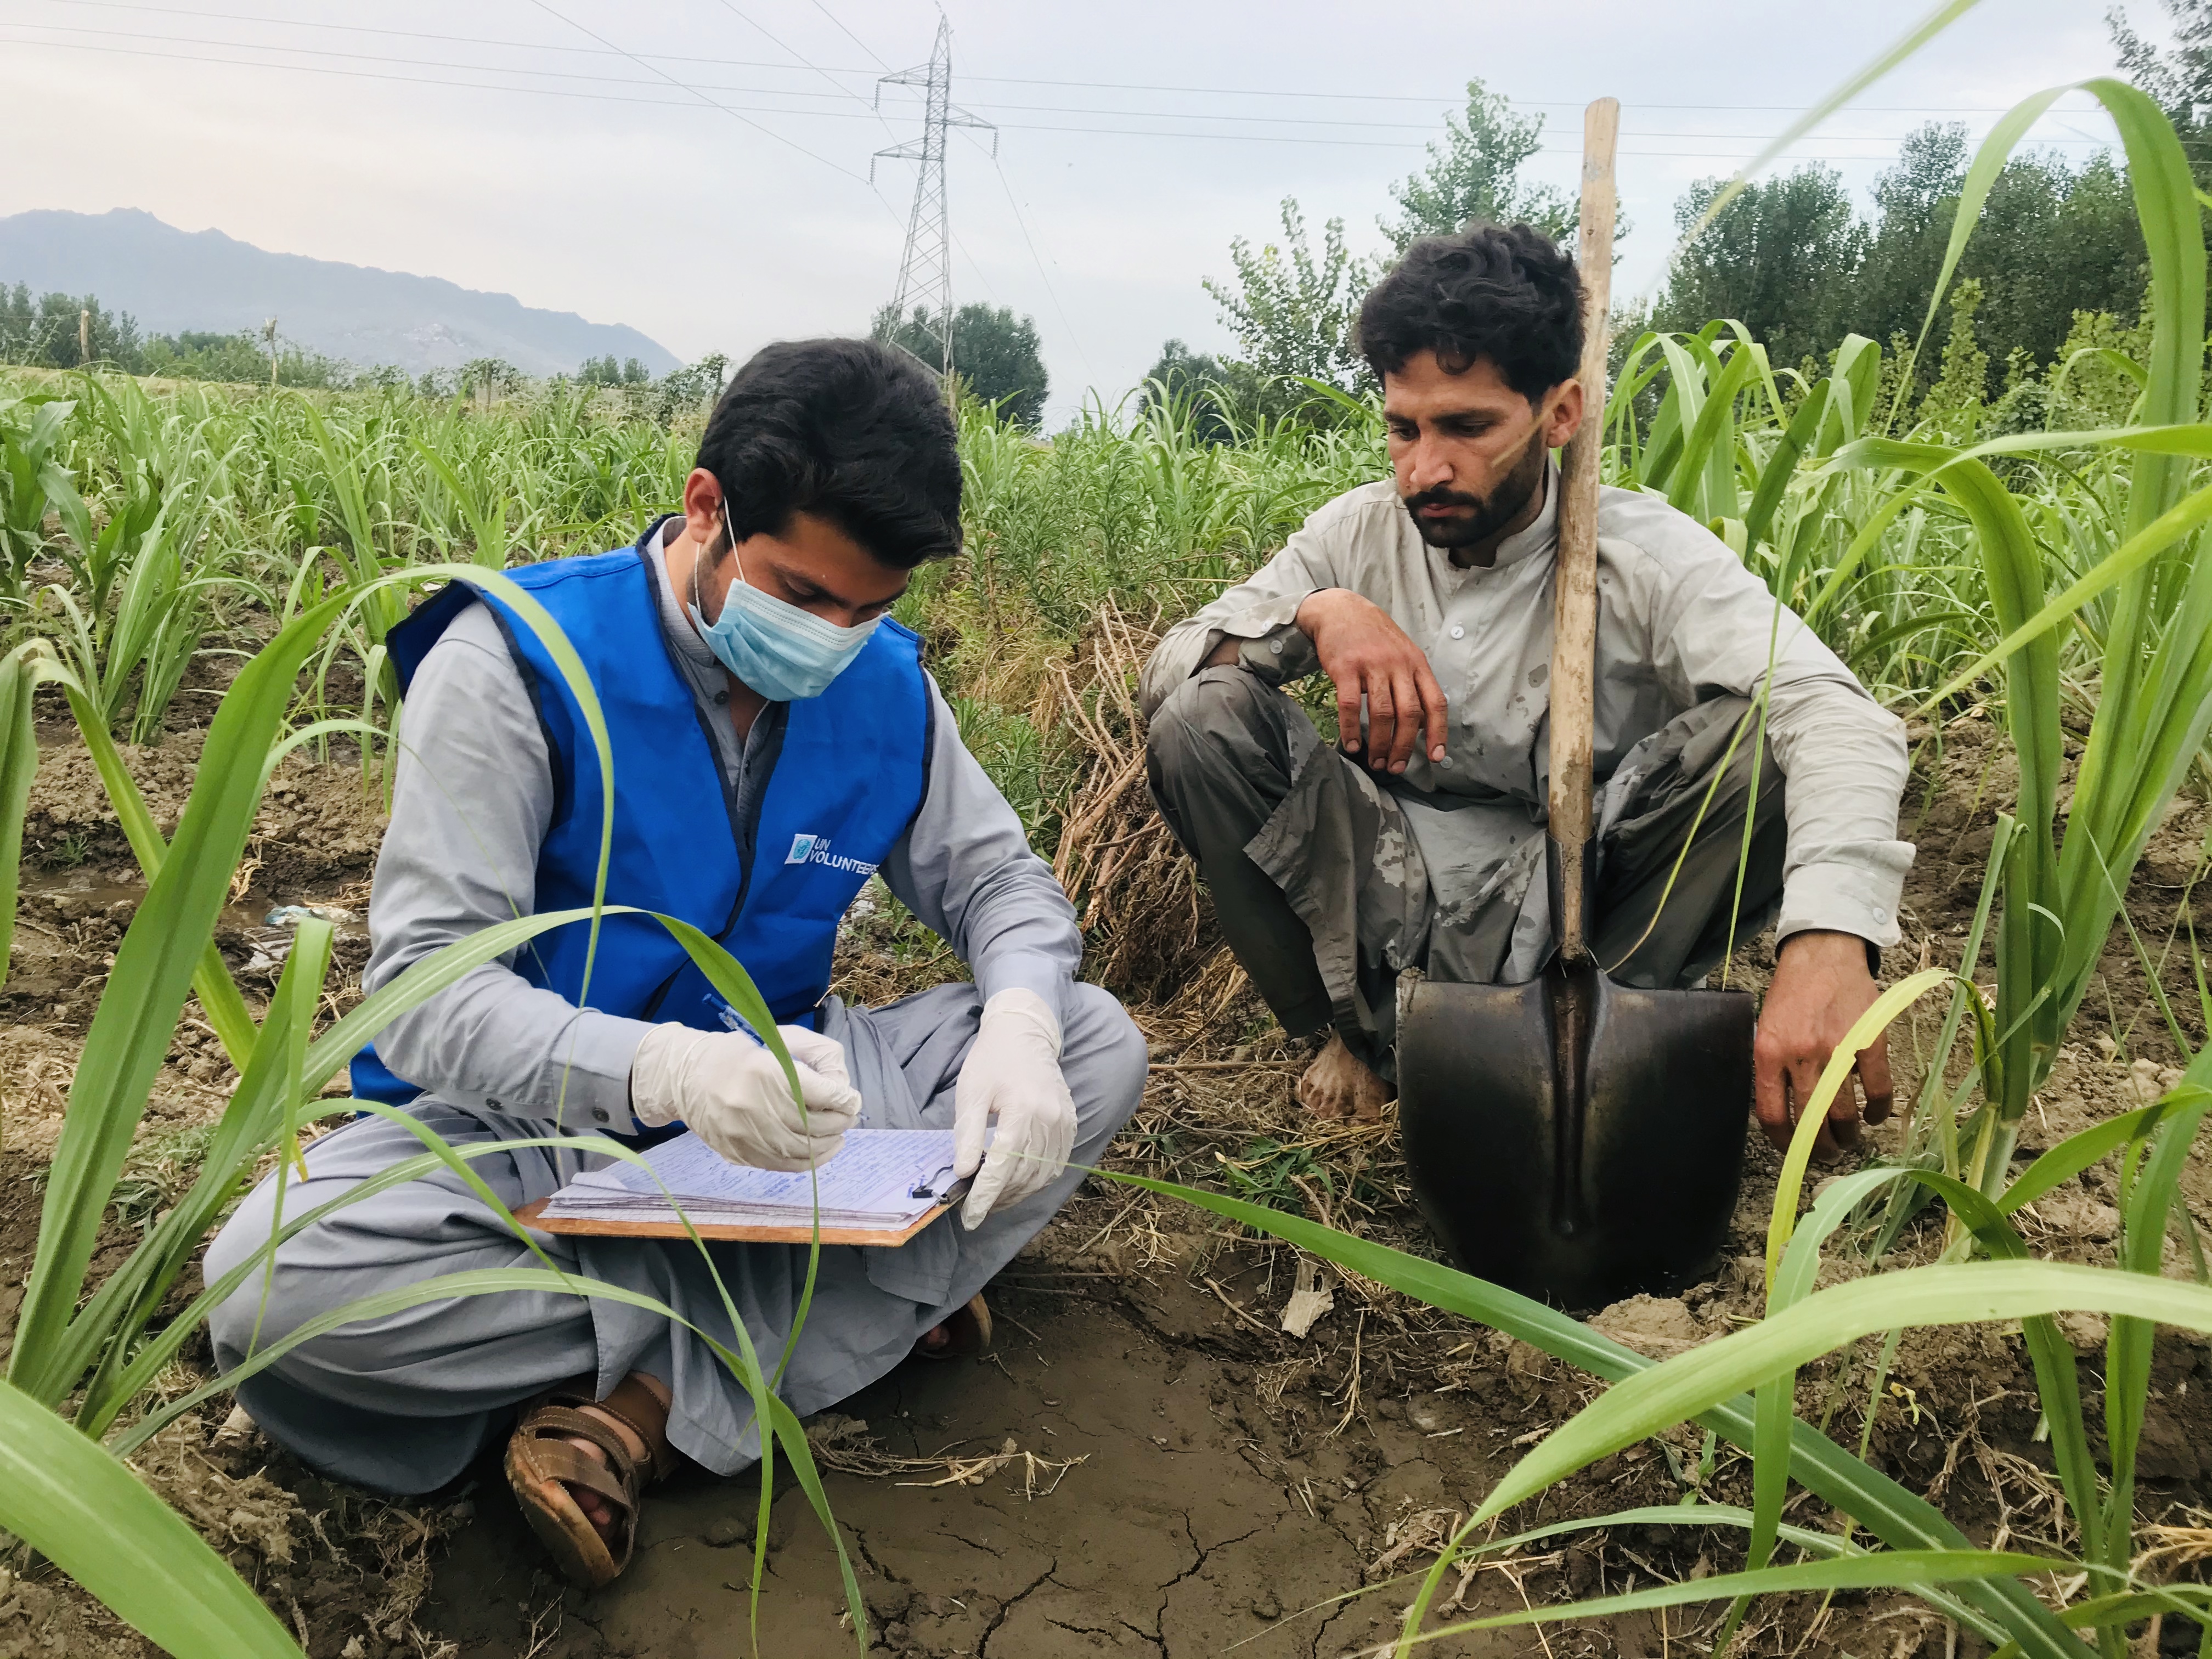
(785, 653)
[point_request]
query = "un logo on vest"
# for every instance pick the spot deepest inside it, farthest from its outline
(815, 849)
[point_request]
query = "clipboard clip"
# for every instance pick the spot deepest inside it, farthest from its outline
(951, 1194)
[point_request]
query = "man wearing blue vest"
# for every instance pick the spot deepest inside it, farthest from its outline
(776, 741)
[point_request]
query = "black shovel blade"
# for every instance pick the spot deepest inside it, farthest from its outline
(1574, 1139)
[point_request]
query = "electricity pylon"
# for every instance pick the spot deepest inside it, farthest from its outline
(925, 278)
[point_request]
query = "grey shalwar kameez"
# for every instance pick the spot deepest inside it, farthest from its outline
(1330, 879)
(403, 1402)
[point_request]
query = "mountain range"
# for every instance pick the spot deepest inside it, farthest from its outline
(172, 280)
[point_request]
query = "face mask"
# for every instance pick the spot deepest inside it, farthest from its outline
(785, 653)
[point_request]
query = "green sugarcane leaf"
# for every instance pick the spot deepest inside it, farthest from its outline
(1782, 464)
(1882, 1570)
(218, 992)
(1711, 439)
(1869, 536)
(2057, 1384)
(792, 1434)
(2126, 1606)
(154, 964)
(1940, 18)
(1880, 1506)
(157, 959)
(2128, 1340)
(1776, 1396)
(163, 1346)
(780, 1425)
(1813, 1113)
(2125, 560)
(1680, 1389)
(2082, 1149)
(2029, 951)
(66, 1498)
(1988, 161)
(250, 1119)
(422, 980)
(19, 763)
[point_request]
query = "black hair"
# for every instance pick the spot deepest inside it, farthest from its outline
(1505, 292)
(848, 430)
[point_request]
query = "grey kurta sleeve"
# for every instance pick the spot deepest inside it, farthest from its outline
(470, 806)
(1262, 608)
(965, 868)
(1710, 623)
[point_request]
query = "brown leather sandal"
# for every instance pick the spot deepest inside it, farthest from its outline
(541, 1467)
(967, 1333)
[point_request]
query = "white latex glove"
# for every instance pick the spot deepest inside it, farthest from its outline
(729, 1091)
(1011, 1074)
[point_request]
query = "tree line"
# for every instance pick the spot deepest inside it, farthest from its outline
(1794, 262)
(2057, 266)
(996, 357)
(67, 331)
(71, 331)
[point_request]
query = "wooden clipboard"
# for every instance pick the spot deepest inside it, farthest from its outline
(532, 1215)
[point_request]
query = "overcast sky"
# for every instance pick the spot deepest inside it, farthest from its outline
(569, 151)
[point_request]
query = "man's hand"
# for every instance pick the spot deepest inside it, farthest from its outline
(1821, 987)
(729, 1091)
(1011, 1075)
(1363, 652)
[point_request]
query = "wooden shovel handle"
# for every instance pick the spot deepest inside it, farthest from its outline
(1574, 625)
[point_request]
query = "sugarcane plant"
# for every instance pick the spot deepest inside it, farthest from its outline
(83, 1366)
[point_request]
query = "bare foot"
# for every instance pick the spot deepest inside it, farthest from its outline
(594, 1507)
(936, 1340)
(1339, 1084)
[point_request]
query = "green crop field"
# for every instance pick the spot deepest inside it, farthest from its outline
(193, 561)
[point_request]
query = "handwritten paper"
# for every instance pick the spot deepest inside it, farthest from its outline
(880, 1178)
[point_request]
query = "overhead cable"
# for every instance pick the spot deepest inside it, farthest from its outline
(742, 111)
(1451, 97)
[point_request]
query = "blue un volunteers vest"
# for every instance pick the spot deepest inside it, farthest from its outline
(769, 878)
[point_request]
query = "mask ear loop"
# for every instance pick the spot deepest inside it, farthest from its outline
(729, 530)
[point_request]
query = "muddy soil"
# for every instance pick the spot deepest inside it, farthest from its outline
(1146, 1464)
(1223, 1491)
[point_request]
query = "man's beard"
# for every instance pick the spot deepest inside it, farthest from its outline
(1486, 516)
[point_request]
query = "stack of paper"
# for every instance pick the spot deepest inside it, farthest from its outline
(880, 1179)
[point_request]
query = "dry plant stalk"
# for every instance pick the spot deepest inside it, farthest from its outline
(1136, 892)
(2175, 1547)
(845, 1444)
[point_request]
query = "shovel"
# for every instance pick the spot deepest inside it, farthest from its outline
(1572, 1138)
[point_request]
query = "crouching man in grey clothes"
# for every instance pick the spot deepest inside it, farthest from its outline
(1426, 598)
(776, 741)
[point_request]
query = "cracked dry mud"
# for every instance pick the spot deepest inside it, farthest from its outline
(1182, 1534)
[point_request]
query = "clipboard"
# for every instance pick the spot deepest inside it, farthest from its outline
(533, 1215)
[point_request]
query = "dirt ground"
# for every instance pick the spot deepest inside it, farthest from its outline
(1146, 1464)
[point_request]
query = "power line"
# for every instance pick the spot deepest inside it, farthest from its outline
(848, 33)
(741, 111)
(589, 76)
(769, 131)
(836, 91)
(874, 114)
(841, 92)
(1037, 260)
(1451, 98)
